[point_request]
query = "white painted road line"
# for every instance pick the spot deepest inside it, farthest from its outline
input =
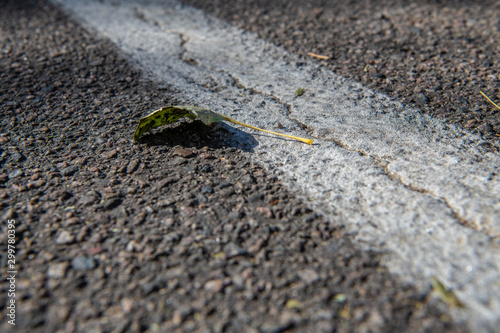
(423, 191)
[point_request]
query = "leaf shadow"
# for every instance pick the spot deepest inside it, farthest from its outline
(194, 133)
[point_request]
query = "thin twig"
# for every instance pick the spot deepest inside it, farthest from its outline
(482, 93)
(318, 56)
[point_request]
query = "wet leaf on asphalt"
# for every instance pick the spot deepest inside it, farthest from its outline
(170, 114)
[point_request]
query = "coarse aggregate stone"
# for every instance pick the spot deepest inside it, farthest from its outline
(178, 233)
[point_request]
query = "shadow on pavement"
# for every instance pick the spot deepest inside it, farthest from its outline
(195, 133)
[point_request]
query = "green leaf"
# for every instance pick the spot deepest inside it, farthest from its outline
(164, 116)
(171, 114)
(293, 304)
(207, 116)
(445, 294)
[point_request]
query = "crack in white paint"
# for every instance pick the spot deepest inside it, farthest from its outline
(383, 164)
(401, 182)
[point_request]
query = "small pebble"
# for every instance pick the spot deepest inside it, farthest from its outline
(94, 250)
(87, 200)
(69, 171)
(308, 275)
(132, 166)
(82, 233)
(177, 161)
(65, 238)
(206, 168)
(133, 246)
(264, 211)
(187, 211)
(57, 270)
(16, 173)
(127, 304)
(233, 250)
(82, 263)
(36, 184)
(17, 157)
(186, 153)
(206, 156)
(112, 203)
(109, 154)
(207, 190)
(214, 285)
(421, 98)
(71, 221)
(62, 165)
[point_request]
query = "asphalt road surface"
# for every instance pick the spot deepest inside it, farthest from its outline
(191, 230)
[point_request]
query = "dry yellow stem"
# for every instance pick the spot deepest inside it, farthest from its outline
(308, 141)
(482, 93)
(318, 56)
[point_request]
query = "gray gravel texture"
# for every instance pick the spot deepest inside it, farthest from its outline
(180, 233)
(434, 55)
